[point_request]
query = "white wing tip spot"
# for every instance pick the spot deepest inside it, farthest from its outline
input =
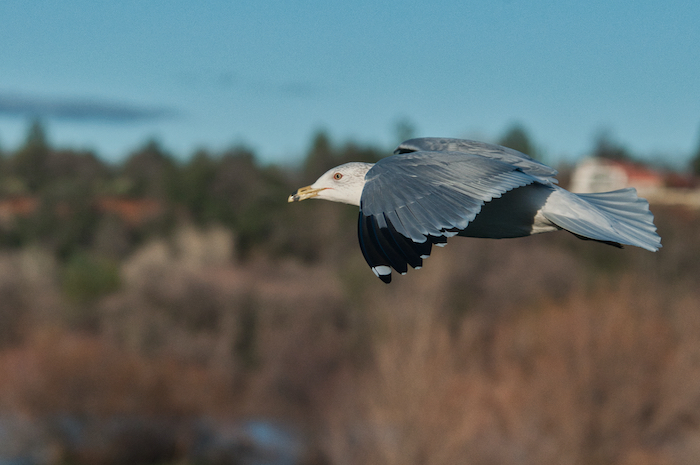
(424, 257)
(381, 270)
(441, 244)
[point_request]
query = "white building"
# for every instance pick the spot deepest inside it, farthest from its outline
(601, 175)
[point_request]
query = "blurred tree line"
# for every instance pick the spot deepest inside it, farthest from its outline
(73, 202)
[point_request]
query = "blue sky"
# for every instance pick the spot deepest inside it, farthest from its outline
(109, 75)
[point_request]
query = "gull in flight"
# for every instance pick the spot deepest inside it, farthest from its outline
(434, 188)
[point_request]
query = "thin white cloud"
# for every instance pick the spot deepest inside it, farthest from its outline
(80, 109)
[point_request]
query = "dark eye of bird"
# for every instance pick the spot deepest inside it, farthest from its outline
(337, 176)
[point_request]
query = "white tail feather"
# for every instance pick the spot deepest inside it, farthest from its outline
(618, 217)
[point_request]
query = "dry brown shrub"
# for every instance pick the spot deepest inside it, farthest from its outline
(601, 377)
(545, 350)
(62, 373)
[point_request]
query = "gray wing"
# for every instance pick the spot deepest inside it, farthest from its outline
(435, 144)
(413, 200)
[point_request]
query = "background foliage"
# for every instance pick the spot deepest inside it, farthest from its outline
(167, 289)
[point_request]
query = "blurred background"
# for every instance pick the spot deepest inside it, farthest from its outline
(160, 302)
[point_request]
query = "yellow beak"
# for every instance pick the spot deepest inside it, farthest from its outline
(304, 193)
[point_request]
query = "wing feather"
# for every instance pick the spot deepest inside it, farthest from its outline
(372, 251)
(532, 167)
(415, 200)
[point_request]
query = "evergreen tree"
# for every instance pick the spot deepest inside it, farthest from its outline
(321, 156)
(695, 161)
(151, 171)
(194, 188)
(404, 130)
(606, 147)
(516, 138)
(30, 160)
